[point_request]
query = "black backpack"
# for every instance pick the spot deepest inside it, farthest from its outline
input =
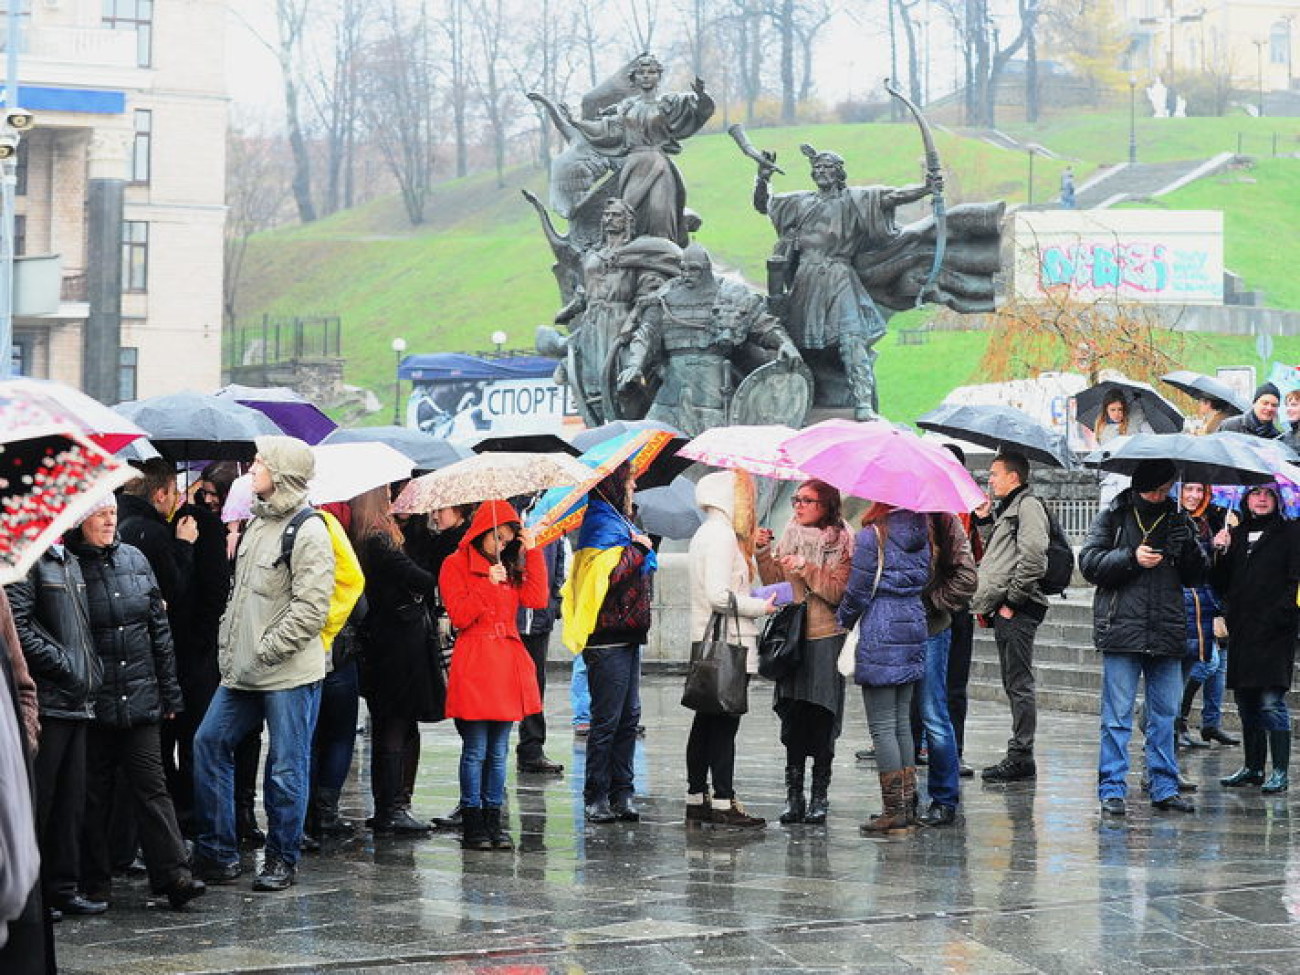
(1060, 558)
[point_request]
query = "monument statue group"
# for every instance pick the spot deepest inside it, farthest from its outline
(649, 330)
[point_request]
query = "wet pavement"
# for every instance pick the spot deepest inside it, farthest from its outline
(1029, 881)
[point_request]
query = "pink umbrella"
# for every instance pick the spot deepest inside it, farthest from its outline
(754, 448)
(880, 462)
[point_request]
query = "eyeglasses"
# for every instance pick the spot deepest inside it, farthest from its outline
(798, 501)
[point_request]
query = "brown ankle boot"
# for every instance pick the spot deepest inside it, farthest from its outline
(911, 805)
(894, 819)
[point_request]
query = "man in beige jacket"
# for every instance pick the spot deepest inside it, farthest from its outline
(272, 663)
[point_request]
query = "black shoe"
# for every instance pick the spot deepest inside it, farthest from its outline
(212, 872)
(938, 815)
(498, 838)
(1173, 804)
(965, 771)
(275, 875)
(600, 812)
(54, 914)
(137, 867)
(1186, 785)
(1113, 807)
(1010, 770)
(865, 754)
(183, 891)
(540, 766)
(624, 810)
(1219, 735)
(80, 906)
(453, 819)
(1243, 776)
(309, 844)
(250, 834)
(401, 821)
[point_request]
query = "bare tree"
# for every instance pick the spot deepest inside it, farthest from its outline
(812, 17)
(489, 69)
(641, 20)
(336, 103)
(456, 33)
(908, 24)
(543, 62)
(400, 94)
(291, 18)
(257, 191)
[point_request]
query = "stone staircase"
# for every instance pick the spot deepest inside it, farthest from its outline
(1142, 181)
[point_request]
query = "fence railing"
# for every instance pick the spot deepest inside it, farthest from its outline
(284, 339)
(1075, 516)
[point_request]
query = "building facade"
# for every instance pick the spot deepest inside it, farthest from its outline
(123, 178)
(1254, 41)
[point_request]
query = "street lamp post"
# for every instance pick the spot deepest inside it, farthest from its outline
(399, 346)
(499, 339)
(1259, 61)
(1032, 150)
(1132, 121)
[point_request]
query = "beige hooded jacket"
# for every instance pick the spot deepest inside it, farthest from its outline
(270, 633)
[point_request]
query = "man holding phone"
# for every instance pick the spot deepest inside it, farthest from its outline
(1140, 553)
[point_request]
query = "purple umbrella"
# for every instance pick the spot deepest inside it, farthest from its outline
(289, 411)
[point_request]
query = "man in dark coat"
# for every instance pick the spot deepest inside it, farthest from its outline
(1140, 553)
(1257, 576)
(1258, 422)
(53, 624)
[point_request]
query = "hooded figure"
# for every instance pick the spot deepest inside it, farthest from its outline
(493, 573)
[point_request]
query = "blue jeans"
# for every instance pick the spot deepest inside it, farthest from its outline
(1263, 708)
(943, 773)
(1212, 674)
(579, 692)
(290, 717)
(336, 728)
(484, 748)
(614, 675)
(1164, 687)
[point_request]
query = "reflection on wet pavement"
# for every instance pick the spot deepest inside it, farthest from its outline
(1029, 881)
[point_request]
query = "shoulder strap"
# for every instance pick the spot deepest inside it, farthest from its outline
(880, 560)
(290, 535)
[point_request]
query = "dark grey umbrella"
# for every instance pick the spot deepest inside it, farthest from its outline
(1206, 387)
(427, 452)
(1162, 415)
(1221, 458)
(195, 426)
(670, 511)
(524, 443)
(999, 427)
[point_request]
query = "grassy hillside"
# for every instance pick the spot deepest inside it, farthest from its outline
(480, 263)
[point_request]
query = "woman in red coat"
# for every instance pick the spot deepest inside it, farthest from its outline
(494, 572)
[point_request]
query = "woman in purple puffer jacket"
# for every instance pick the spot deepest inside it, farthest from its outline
(891, 566)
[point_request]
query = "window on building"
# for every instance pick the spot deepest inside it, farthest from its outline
(20, 172)
(20, 361)
(142, 148)
(20, 235)
(1279, 42)
(128, 373)
(136, 15)
(135, 255)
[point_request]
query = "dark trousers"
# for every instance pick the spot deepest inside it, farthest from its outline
(336, 728)
(711, 754)
(807, 731)
(959, 657)
(60, 804)
(178, 756)
(391, 770)
(532, 729)
(1015, 640)
(139, 754)
(614, 675)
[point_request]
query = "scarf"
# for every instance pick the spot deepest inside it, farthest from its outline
(818, 546)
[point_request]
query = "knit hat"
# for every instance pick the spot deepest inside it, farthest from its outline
(106, 503)
(1266, 389)
(1151, 474)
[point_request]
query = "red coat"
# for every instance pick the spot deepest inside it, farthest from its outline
(492, 675)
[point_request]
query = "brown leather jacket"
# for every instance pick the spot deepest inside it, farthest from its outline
(822, 585)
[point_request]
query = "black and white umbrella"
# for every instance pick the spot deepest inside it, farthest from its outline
(196, 426)
(1161, 415)
(1221, 458)
(1206, 387)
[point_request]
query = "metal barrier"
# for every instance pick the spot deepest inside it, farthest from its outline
(1075, 516)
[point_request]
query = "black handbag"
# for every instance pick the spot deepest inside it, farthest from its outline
(780, 647)
(717, 682)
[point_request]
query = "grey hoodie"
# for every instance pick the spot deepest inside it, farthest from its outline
(270, 633)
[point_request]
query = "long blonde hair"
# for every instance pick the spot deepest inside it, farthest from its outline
(744, 520)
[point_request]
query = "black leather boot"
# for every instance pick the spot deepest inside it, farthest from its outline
(328, 820)
(385, 780)
(794, 801)
(1279, 743)
(250, 834)
(496, 833)
(1254, 744)
(819, 802)
(473, 829)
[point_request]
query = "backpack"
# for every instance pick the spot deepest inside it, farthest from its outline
(1060, 558)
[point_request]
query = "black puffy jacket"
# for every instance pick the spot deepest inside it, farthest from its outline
(131, 635)
(1137, 610)
(53, 626)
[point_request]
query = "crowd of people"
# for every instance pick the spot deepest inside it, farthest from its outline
(163, 644)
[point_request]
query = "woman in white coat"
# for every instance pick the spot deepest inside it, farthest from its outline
(721, 560)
